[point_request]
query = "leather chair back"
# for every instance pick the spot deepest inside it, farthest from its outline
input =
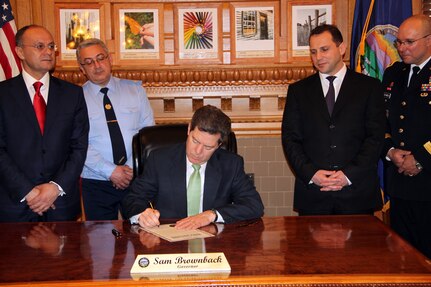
(154, 137)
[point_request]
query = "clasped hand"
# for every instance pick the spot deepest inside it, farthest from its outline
(121, 176)
(330, 180)
(404, 160)
(42, 197)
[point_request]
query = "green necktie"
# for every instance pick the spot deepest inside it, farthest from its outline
(194, 191)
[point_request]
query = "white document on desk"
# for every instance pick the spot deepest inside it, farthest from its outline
(171, 234)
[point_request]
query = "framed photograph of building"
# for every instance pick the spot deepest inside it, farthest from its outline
(74, 26)
(305, 16)
(198, 37)
(138, 33)
(255, 32)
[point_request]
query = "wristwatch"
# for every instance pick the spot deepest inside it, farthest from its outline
(419, 166)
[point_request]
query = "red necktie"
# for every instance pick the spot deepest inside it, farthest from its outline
(39, 106)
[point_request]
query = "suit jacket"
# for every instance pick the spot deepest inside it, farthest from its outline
(27, 158)
(350, 140)
(227, 188)
(409, 128)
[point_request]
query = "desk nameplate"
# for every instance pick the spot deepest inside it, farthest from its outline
(180, 263)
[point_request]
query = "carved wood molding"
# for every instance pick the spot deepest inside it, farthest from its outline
(197, 76)
(254, 97)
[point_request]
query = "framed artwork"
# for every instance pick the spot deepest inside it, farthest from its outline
(198, 37)
(305, 16)
(255, 32)
(74, 26)
(139, 33)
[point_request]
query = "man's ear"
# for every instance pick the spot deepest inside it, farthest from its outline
(342, 48)
(82, 69)
(19, 52)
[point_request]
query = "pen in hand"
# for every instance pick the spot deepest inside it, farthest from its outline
(152, 207)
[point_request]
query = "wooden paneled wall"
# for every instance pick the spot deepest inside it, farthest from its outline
(251, 91)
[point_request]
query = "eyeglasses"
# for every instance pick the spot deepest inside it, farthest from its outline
(398, 43)
(41, 46)
(90, 61)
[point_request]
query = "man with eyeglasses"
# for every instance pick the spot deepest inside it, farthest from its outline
(117, 109)
(43, 136)
(408, 136)
(197, 181)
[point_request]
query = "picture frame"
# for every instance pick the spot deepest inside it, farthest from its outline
(76, 23)
(139, 34)
(254, 32)
(198, 33)
(305, 16)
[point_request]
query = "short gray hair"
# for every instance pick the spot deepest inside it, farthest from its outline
(88, 43)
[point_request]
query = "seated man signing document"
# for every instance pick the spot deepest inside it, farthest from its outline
(196, 181)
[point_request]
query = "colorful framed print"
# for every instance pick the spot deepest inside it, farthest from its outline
(198, 36)
(139, 34)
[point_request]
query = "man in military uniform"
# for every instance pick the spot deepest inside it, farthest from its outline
(408, 138)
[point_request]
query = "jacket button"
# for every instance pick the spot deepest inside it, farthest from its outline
(403, 103)
(402, 117)
(400, 131)
(332, 126)
(333, 146)
(402, 144)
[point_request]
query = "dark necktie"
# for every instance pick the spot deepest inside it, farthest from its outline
(117, 141)
(39, 106)
(330, 96)
(414, 75)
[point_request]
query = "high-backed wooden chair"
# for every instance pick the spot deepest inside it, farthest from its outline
(154, 137)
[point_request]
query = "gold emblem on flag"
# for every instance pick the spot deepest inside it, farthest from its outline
(108, 106)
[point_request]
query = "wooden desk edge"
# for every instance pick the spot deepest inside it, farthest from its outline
(290, 280)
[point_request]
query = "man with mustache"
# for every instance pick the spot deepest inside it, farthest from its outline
(117, 109)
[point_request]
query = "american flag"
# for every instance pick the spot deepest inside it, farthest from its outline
(10, 63)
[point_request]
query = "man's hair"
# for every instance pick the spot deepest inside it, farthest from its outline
(88, 43)
(211, 120)
(20, 33)
(337, 37)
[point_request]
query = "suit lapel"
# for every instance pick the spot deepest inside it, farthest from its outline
(317, 98)
(178, 175)
(53, 106)
(24, 102)
(422, 77)
(343, 95)
(212, 181)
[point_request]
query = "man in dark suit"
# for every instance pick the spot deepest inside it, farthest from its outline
(42, 146)
(408, 138)
(225, 193)
(333, 142)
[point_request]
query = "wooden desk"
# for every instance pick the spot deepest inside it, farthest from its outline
(274, 251)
